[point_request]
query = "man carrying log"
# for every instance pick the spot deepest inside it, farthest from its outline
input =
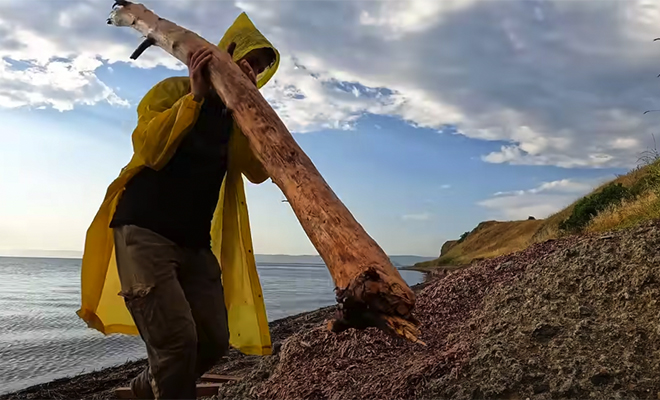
(175, 214)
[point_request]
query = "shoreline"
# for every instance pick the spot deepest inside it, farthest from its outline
(433, 268)
(100, 384)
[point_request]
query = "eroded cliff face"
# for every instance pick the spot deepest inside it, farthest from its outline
(447, 246)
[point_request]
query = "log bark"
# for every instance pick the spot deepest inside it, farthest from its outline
(370, 291)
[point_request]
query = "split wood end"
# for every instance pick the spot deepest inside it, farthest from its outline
(396, 326)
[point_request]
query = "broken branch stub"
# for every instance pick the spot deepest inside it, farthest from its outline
(370, 291)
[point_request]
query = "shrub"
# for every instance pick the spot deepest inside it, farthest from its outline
(645, 184)
(650, 156)
(629, 213)
(588, 207)
(648, 182)
(463, 237)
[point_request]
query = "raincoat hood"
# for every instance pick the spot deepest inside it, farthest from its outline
(248, 38)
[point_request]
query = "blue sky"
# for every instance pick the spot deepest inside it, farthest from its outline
(425, 117)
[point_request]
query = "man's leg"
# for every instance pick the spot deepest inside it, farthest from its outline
(148, 265)
(202, 284)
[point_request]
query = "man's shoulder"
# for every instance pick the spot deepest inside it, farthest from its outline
(168, 91)
(176, 80)
(176, 83)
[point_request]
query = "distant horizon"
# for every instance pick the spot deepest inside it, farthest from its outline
(72, 254)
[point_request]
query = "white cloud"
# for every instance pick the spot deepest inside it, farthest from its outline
(539, 202)
(308, 98)
(401, 17)
(563, 186)
(50, 52)
(305, 102)
(417, 217)
(513, 208)
(58, 84)
(445, 186)
(562, 83)
(625, 143)
(560, 186)
(559, 83)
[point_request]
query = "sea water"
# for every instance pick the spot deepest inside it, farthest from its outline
(41, 337)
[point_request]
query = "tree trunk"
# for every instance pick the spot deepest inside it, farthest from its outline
(370, 291)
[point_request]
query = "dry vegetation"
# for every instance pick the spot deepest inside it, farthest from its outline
(628, 214)
(489, 239)
(574, 318)
(492, 238)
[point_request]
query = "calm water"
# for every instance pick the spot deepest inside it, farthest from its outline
(41, 337)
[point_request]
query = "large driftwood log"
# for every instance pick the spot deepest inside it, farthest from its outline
(370, 291)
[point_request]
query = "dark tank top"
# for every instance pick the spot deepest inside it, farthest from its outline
(178, 201)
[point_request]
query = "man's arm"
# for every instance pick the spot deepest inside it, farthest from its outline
(165, 115)
(246, 161)
(169, 110)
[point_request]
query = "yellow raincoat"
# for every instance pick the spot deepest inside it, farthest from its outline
(165, 115)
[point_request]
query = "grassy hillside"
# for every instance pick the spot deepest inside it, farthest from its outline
(620, 216)
(622, 203)
(488, 239)
(448, 246)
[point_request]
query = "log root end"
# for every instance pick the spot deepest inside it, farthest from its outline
(407, 329)
(364, 304)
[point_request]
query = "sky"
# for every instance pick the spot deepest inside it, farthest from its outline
(424, 116)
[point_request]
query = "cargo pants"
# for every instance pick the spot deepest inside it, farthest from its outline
(176, 299)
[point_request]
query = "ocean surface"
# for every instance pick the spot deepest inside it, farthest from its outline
(41, 337)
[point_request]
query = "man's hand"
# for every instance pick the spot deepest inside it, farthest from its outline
(199, 78)
(200, 84)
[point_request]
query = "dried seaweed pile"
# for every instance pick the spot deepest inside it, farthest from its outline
(316, 364)
(580, 323)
